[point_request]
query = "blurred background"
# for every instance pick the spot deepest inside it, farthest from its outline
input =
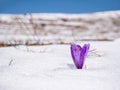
(58, 6)
(41, 22)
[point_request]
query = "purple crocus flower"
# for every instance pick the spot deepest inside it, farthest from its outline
(79, 53)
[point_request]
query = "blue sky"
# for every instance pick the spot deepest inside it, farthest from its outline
(58, 6)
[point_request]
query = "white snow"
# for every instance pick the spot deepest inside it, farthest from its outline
(51, 68)
(53, 27)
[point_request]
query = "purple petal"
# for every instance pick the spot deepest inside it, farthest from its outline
(87, 46)
(78, 54)
(83, 55)
(72, 50)
(75, 53)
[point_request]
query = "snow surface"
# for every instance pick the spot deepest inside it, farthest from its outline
(58, 28)
(51, 67)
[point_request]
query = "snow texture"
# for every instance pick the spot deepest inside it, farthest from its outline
(51, 67)
(58, 28)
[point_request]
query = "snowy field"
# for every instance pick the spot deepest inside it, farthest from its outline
(51, 67)
(44, 28)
